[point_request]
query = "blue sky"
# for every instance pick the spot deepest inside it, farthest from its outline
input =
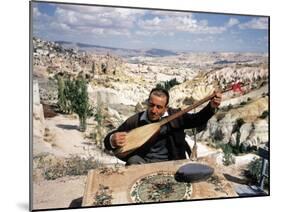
(143, 29)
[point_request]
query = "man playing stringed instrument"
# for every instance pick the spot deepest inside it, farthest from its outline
(169, 143)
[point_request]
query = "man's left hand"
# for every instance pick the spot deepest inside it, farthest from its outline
(216, 101)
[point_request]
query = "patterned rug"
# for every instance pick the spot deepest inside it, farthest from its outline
(160, 187)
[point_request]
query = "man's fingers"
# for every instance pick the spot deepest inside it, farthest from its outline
(122, 133)
(216, 101)
(120, 139)
(121, 143)
(121, 136)
(218, 97)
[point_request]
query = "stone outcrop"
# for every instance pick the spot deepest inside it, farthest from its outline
(38, 124)
(252, 133)
(250, 77)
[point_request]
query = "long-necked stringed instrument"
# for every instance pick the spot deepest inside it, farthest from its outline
(139, 136)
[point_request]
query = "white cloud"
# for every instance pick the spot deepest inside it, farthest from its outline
(170, 13)
(107, 32)
(154, 33)
(97, 31)
(255, 23)
(87, 20)
(208, 39)
(105, 21)
(124, 32)
(136, 41)
(59, 27)
(128, 13)
(179, 24)
(232, 22)
(36, 12)
(98, 16)
(145, 33)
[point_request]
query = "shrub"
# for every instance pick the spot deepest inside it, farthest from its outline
(104, 68)
(243, 103)
(253, 171)
(71, 166)
(168, 84)
(218, 136)
(239, 122)
(264, 114)
(80, 166)
(220, 116)
(149, 68)
(228, 157)
(54, 171)
(229, 107)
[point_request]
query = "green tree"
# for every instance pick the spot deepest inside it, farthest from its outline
(73, 97)
(168, 84)
(80, 101)
(61, 96)
(64, 103)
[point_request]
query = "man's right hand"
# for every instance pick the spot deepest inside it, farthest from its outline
(118, 139)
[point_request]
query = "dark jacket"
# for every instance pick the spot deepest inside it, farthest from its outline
(177, 146)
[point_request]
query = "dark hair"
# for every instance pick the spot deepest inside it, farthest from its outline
(160, 92)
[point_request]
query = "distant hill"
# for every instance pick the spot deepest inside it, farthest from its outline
(119, 51)
(159, 52)
(220, 62)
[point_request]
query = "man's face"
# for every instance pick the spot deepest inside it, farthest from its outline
(156, 107)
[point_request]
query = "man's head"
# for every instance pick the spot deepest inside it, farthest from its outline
(157, 103)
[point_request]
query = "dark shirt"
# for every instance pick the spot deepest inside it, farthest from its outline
(158, 150)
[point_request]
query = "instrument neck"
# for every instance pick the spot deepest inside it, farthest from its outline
(196, 104)
(180, 113)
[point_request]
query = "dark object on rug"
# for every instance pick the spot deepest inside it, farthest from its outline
(193, 172)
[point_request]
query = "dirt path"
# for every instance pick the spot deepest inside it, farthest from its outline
(60, 193)
(67, 140)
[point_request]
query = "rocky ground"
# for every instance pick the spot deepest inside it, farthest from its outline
(63, 192)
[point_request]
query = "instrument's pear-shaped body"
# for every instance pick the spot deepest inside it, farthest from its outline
(137, 137)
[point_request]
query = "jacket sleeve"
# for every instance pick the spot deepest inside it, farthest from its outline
(192, 120)
(128, 125)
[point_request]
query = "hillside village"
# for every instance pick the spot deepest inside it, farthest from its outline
(118, 87)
